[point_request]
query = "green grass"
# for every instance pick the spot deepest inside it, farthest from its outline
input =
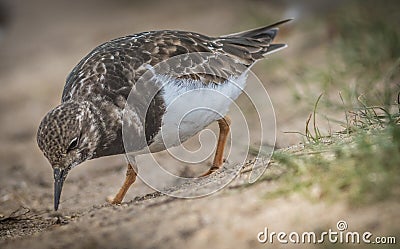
(361, 79)
(362, 57)
(362, 167)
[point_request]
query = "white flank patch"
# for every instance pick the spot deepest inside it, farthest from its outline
(191, 106)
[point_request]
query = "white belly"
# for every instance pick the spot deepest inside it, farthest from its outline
(192, 106)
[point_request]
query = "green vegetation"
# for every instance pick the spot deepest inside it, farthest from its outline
(362, 166)
(362, 161)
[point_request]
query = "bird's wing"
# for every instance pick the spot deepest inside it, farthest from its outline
(115, 66)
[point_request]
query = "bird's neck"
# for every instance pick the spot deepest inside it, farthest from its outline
(105, 126)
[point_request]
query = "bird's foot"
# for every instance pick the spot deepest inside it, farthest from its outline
(113, 200)
(129, 180)
(210, 171)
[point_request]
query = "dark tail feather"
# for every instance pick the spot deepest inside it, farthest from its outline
(254, 44)
(257, 33)
(274, 47)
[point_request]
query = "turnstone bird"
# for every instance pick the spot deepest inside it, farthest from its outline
(88, 123)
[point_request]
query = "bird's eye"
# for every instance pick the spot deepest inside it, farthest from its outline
(73, 144)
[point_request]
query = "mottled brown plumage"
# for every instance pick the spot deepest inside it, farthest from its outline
(88, 122)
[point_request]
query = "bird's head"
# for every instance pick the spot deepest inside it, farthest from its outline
(67, 136)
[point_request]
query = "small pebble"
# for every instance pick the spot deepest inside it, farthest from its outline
(109, 198)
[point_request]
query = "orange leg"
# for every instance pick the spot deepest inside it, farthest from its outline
(129, 180)
(224, 124)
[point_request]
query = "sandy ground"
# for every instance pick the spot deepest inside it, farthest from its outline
(42, 42)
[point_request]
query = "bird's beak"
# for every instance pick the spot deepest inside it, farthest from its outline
(59, 177)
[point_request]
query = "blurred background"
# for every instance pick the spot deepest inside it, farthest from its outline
(343, 49)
